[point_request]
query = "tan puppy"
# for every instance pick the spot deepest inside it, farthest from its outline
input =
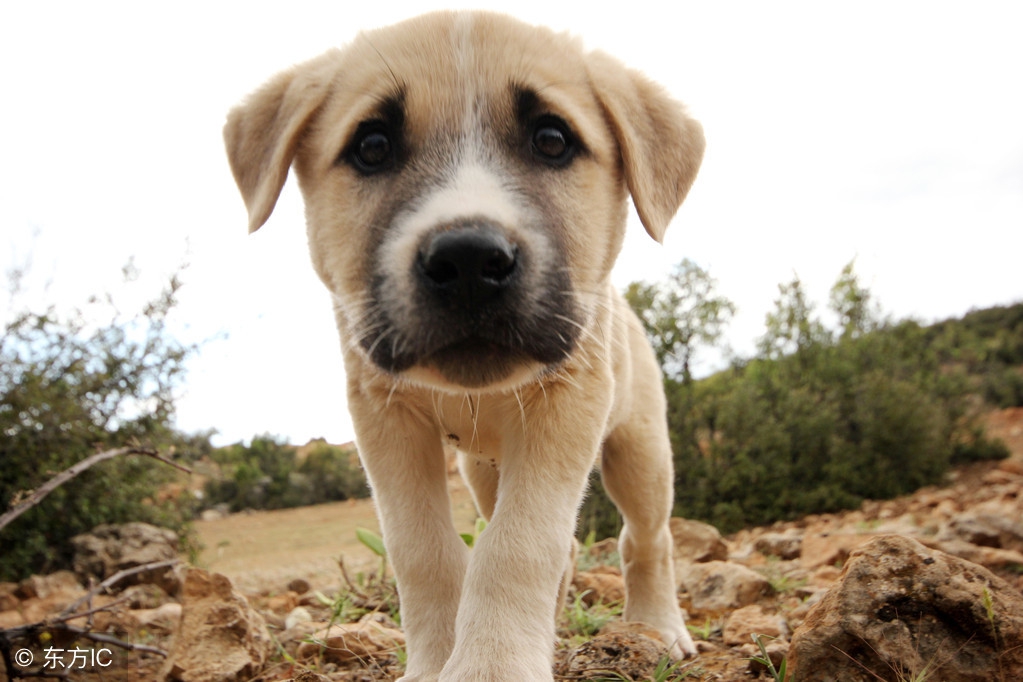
(466, 179)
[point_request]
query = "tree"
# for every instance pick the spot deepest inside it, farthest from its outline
(854, 305)
(792, 327)
(679, 315)
(72, 384)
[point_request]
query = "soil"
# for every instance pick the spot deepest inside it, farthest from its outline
(262, 552)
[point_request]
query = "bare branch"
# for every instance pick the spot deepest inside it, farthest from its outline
(113, 580)
(109, 639)
(66, 475)
(66, 617)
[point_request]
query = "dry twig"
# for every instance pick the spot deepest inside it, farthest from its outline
(63, 477)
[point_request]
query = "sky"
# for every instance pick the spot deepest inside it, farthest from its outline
(886, 132)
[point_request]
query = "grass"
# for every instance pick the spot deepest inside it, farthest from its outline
(586, 621)
(667, 670)
(704, 631)
(777, 674)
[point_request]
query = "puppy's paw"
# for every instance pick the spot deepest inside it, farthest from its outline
(498, 669)
(680, 642)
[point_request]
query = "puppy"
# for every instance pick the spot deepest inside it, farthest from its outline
(466, 180)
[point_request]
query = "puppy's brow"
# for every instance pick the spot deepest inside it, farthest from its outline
(392, 109)
(527, 102)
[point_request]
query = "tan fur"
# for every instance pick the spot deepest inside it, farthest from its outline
(529, 437)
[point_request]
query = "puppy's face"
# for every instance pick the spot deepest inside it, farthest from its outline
(465, 184)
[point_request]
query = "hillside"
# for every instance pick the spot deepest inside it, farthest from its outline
(269, 549)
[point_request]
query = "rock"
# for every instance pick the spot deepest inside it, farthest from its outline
(600, 585)
(380, 618)
(341, 643)
(901, 608)
(220, 637)
(743, 623)
(144, 596)
(299, 614)
(721, 585)
(282, 603)
(782, 545)
(830, 549)
(8, 596)
(989, 557)
(299, 586)
(309, 676)
(46, 595)
(975, 531)
(164, 617)
(216, 513)
(61, 583)
(111, 548)
(634, 628)
(627, 655)
(695, 541)
(990, 530)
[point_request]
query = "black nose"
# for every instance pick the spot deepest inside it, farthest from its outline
(468, 266)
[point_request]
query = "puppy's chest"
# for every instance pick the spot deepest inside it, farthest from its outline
(480, 427)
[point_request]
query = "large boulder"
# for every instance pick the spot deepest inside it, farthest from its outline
(221, 638)
(901, 610)
(110, 548)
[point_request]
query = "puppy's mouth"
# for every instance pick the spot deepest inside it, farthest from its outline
(476, 363)
(471, 361)
(481, 311)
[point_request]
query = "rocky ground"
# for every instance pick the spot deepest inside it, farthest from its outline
(925, 587)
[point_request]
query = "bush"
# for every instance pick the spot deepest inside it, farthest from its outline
(70, 385)
(268, 474)
(824, 418)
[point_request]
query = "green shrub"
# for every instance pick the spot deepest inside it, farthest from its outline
(267, 474)
(72, 384)
(824, 417)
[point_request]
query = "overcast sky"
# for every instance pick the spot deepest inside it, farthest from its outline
(888, 132)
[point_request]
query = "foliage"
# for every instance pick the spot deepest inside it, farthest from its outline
(777, 674)
(823, 416)
(268, 474)
(71, 384)
(823, 419)
(679, 315)
(580, 620)
(988, 346)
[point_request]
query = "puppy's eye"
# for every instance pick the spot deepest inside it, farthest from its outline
(552, 142)
(371, 149)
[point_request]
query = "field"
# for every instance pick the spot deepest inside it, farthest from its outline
(262, 550)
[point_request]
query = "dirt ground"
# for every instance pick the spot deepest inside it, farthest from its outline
(263, 550)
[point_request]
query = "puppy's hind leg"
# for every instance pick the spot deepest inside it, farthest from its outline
(636, 469)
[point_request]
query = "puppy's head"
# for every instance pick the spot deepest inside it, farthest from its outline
(465, 179)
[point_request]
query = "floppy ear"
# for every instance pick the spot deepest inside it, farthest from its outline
(262, 134)
(661, 145)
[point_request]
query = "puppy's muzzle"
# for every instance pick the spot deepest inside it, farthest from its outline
(467, 267)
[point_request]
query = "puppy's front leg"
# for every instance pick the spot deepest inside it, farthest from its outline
(403, 457)
(505, 626)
